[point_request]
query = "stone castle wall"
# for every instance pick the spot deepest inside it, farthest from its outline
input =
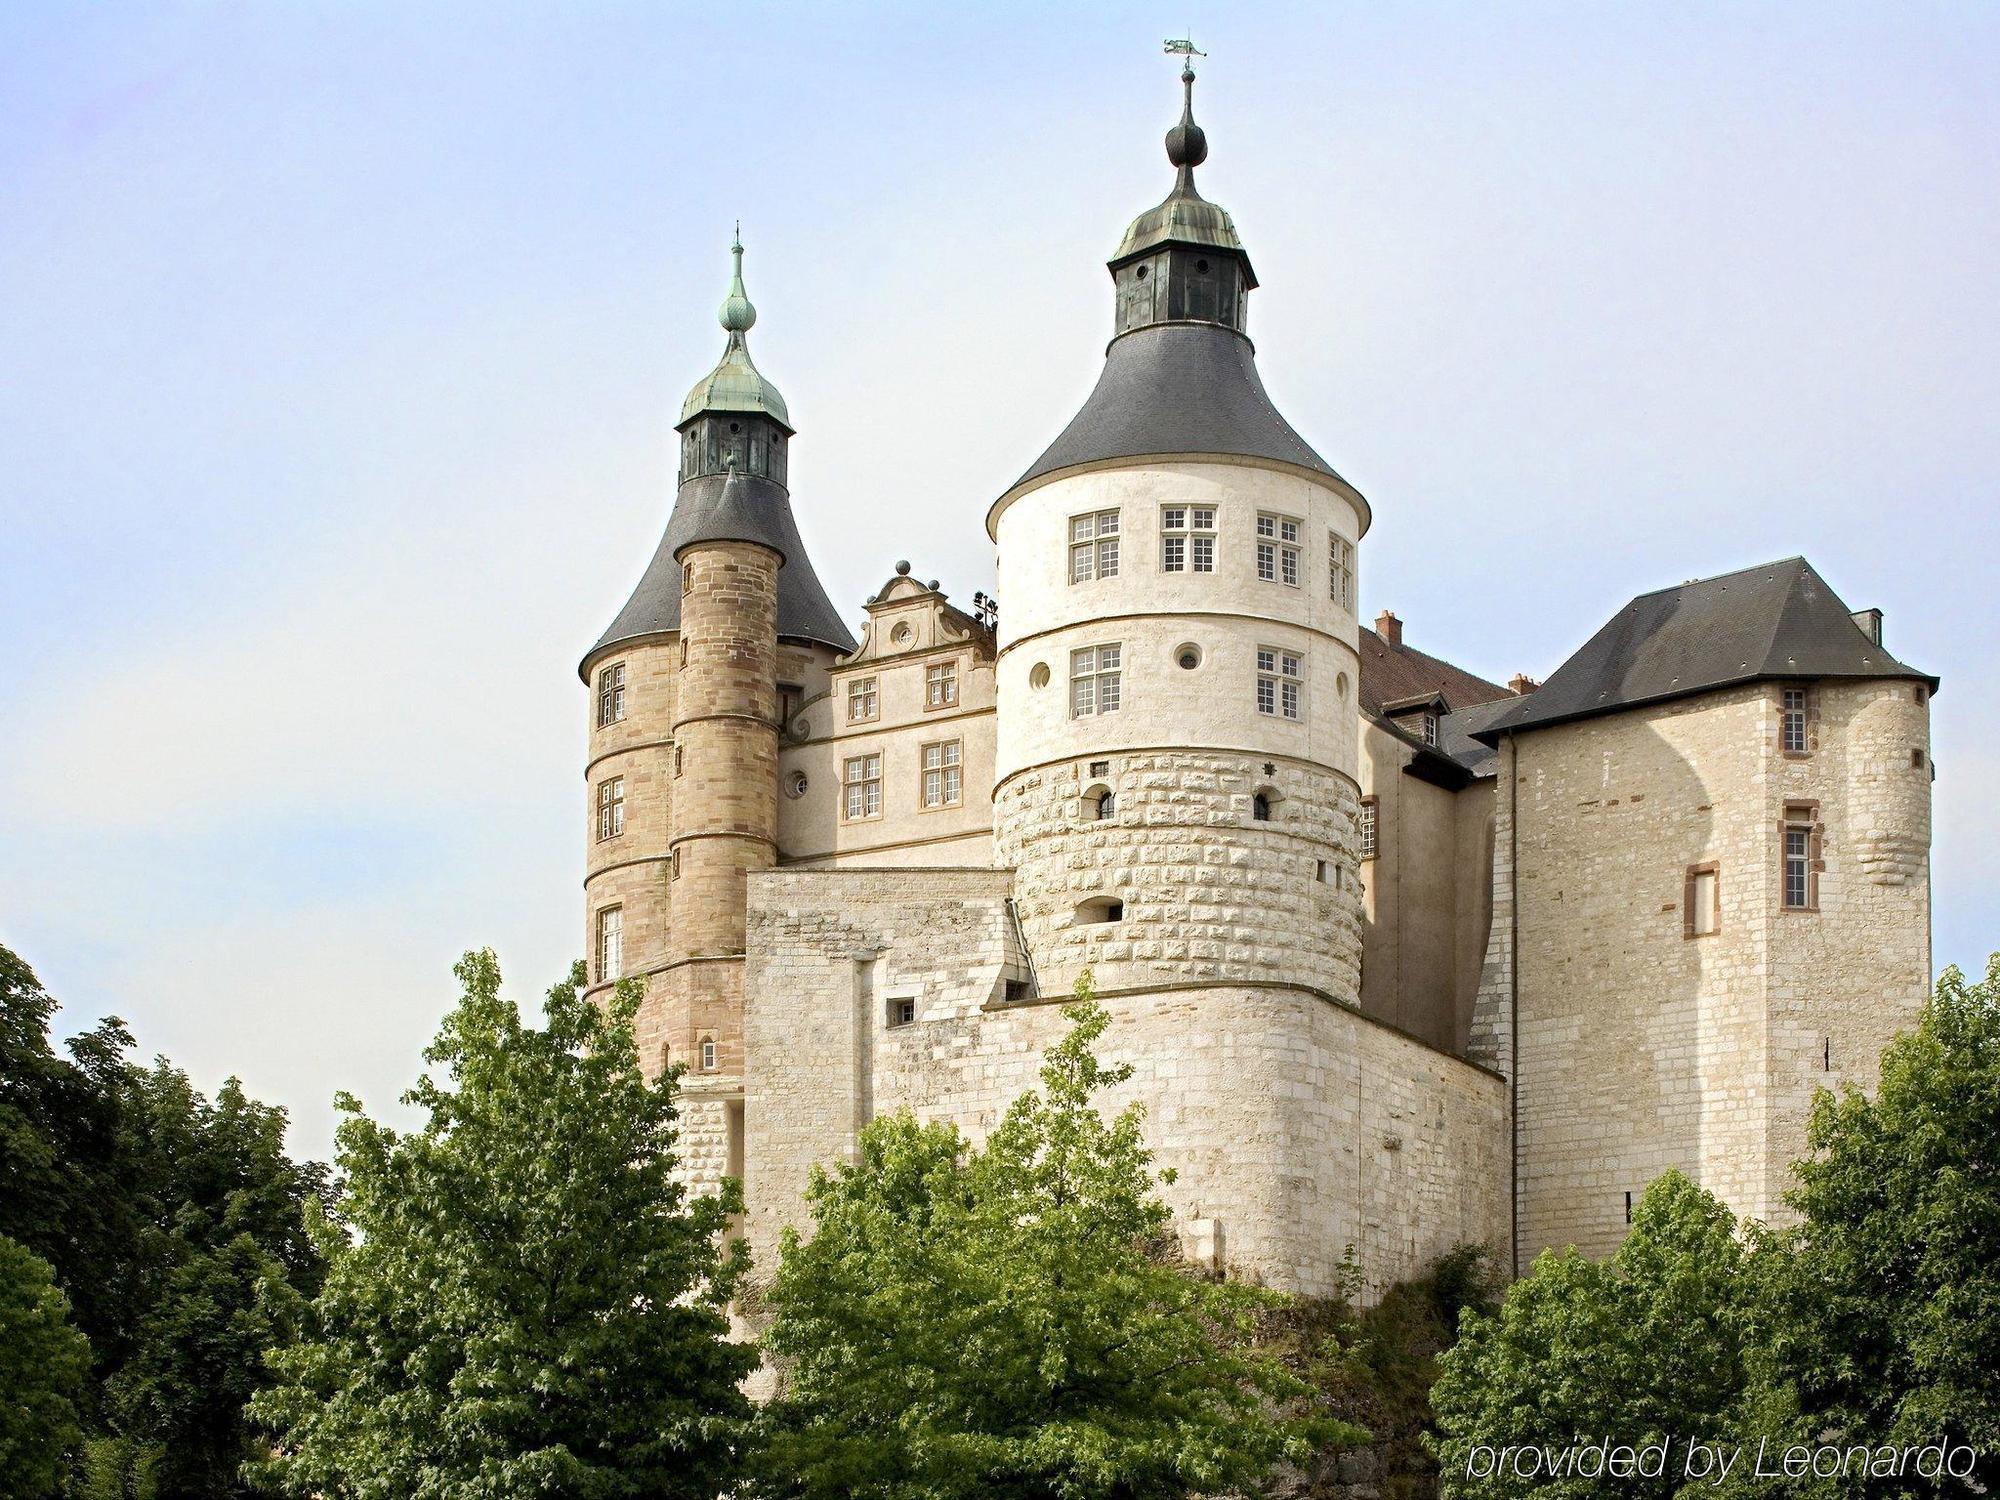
(1643, 1047)
(1208, 891)
(1296, 1126)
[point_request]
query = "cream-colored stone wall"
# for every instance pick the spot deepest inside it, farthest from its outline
(1226, 615)
(1642, 1048)
(1207, 890)
(1296, 1126)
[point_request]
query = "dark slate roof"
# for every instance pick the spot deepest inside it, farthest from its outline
(758, 505)
(1177, 388)
(1394, 674)
(1775, 621)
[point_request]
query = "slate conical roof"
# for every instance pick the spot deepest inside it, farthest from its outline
(1778, 621)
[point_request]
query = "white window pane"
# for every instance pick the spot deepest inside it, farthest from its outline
(1107, 693)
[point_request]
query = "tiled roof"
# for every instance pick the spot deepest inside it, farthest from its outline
(1393, 673)
(1779, 620)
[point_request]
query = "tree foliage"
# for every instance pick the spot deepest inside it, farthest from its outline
(43, 1365)
(999, 1321)
(520, 1300)
(1645, 1347)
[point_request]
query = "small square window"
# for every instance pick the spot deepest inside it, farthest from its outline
(902, 1010)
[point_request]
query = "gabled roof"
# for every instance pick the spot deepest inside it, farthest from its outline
(1395, 674)
(756, 509)
(1779, 620)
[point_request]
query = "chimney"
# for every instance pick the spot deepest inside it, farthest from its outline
(1521, 684)
(1870, 621)
(1389, 627)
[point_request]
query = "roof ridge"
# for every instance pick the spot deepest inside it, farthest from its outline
(1673, 588)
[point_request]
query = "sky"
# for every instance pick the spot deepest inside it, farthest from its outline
(340, 344)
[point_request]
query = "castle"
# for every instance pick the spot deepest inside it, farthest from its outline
(1401, 958)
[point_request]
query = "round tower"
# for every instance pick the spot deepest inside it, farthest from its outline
(685, 687)
(1175, 783)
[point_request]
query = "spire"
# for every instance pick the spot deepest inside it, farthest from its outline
(737, 315)
(1187, 142)
(735, 384)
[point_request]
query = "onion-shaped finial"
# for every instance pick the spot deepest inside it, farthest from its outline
(737, 315)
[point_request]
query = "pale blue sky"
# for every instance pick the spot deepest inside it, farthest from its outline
(339, 345)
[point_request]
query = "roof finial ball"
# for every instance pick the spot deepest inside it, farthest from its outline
(736, 314)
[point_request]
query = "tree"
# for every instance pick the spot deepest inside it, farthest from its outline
(1881, 1315)
(520, 1299)
(43, 1365)
(999, 1322)
(1646, 1348)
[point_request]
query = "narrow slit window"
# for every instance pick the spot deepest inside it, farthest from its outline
(1370, 829)
(1701, 901)
(1340, 570)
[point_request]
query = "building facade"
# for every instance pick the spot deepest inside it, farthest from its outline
(1401, 958)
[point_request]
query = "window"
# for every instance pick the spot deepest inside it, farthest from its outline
(1093, 546)
(1187, 539)
(1260, 808)
(941, 684)
(677, 760)
(1278, 549)
(1340, 570)
(941, 774)
(674, 865)
(1430, 729)
(611, 694)
(864, 786)
(1100, 804)
(610, 944)
(1801, 880)
(1792, 722)
(1280, 681)
(862, 701)
(1094, 681)
(1701, 901)
(610, 808)
(790, 696)
(1102, 909)
(687, 586)
(1370, 828)
(902, 1010)
(708, 1054)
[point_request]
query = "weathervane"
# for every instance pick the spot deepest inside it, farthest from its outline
(1183, 47)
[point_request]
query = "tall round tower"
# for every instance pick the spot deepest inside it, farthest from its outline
(685, 689)
(1175, 783)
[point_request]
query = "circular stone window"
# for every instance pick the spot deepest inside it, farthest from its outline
(1201, 267)
(735, 426)
(1187, 656)
(796, 784)
(1140, 274)
(901, 634)
(1038, 675)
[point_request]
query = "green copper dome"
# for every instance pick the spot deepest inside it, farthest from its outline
(1184, 217)
(735, 383)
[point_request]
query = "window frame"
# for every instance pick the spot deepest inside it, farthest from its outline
(870, 688)
(1286, 679)
(1096, 674)
(610, 808)
(1278, 559)
(708, 1054)
(1800, 843)
(1799, 717)
(1194, 535)
(946, 673)
(610, 694)
(1691, 879)
(610, 942)
(1094, 548)
(950, 775)
(1368, 828)
(1340, 570)
(869, 780)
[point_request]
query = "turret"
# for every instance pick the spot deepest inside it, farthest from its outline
(1178, 730)
(682, 772)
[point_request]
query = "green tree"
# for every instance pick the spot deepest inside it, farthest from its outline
(1880, 1322)
(1645, 1348)
(520, 1300)
(999, 1322)
(43, 1365)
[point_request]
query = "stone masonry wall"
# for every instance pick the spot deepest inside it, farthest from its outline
(1208, 890)
(1296, 1126)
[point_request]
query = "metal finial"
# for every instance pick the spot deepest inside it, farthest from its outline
(737, 314)
(1187, 143)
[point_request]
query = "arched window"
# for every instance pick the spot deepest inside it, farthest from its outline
(1100, 803)
(1260, 808)
(1100, 909)
(708, 1054)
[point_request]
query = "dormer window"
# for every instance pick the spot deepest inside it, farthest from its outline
(1430, 729)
